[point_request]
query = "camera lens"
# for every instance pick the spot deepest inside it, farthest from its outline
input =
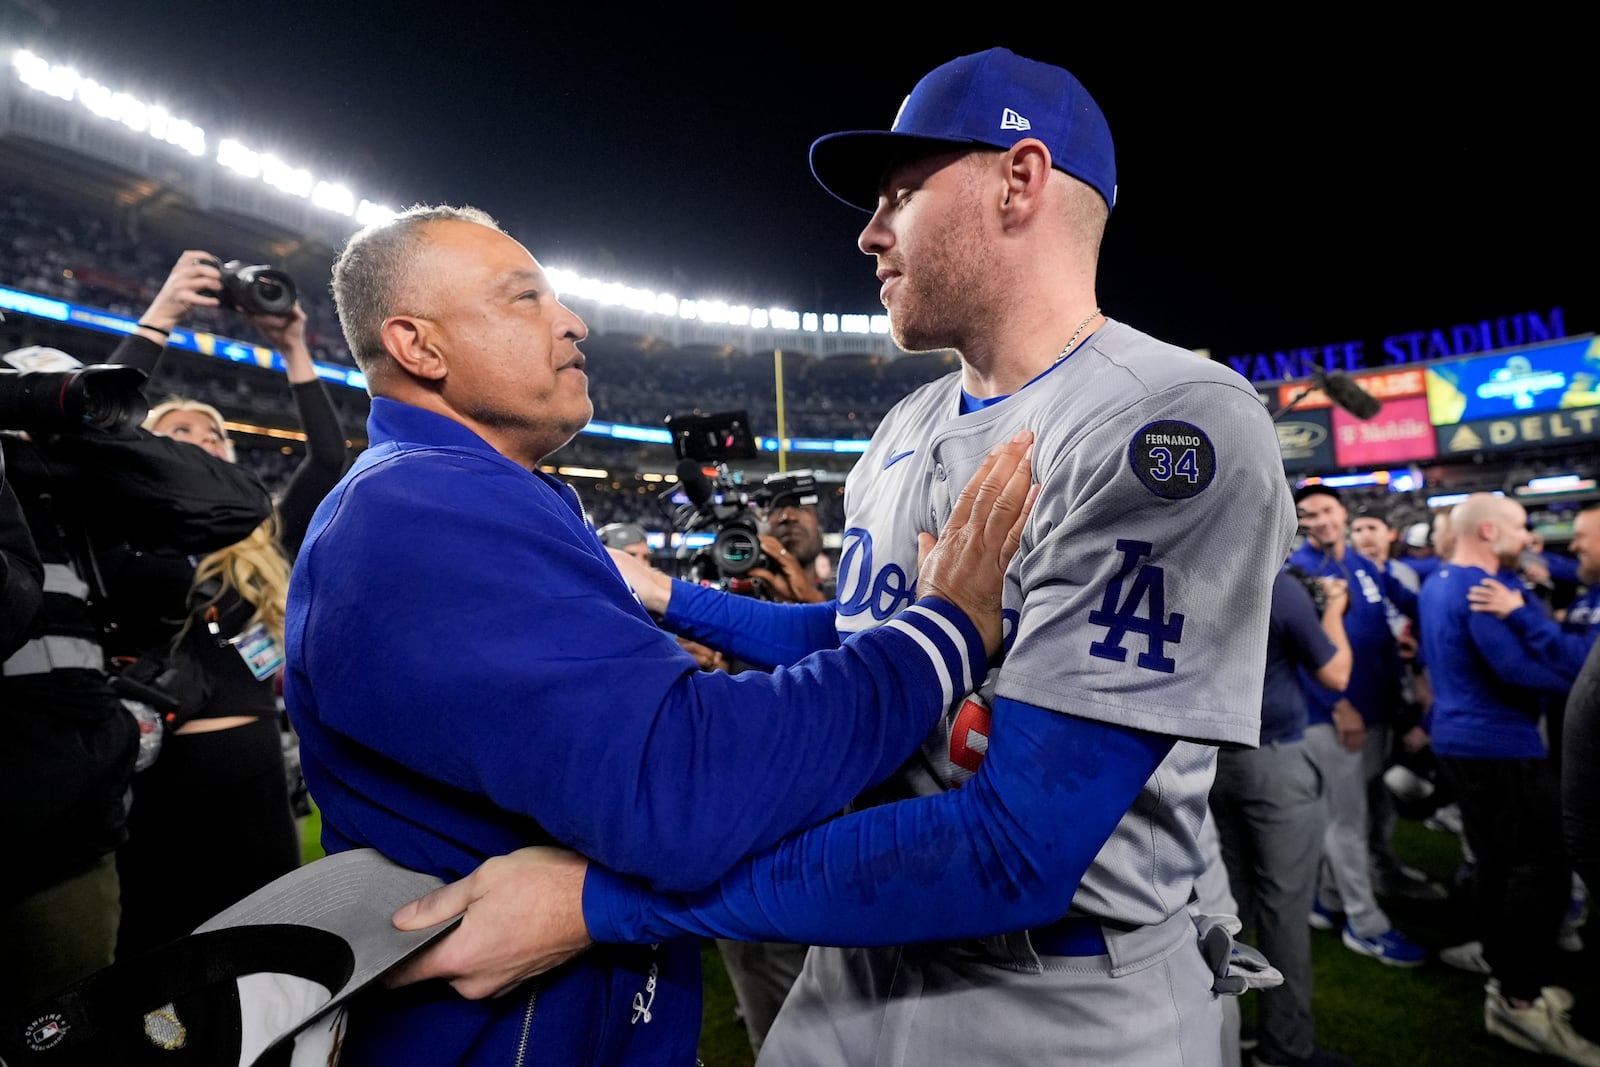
(736, 550)
(269, 291)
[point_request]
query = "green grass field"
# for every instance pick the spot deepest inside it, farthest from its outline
(1379, 1016)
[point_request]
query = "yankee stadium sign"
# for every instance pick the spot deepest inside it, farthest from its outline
(1462, 339)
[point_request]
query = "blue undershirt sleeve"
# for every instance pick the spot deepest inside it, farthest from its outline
(1004, 852)
(757, 631)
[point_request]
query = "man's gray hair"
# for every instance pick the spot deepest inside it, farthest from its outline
(377, 266)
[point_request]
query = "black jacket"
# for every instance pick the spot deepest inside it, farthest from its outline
(68, 756)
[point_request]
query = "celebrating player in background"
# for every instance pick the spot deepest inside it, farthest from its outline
(1046, 898)
(1373, 535)
(1349, 730)
(1583, 614)
(1493, 653)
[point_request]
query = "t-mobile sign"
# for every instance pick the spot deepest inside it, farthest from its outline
(1400, 433)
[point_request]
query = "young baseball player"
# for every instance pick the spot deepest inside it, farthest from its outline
(1020, 886)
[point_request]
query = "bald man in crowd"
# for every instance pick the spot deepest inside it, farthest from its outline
(1492, 653)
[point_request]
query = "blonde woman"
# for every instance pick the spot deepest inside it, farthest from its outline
(211, 819)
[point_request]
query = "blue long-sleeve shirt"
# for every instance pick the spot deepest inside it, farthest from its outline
(1583, 614)
(1487, 673)
(468, 674)
(1004, 852)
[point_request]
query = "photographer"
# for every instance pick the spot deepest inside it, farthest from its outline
(71, 744)
(791, 520)
(215, 629)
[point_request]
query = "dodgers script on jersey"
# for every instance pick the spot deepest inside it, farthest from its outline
(1141, 591)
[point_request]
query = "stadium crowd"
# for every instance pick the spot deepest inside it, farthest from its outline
(1370, 554)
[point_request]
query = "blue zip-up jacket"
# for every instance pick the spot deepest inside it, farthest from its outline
(468, 674)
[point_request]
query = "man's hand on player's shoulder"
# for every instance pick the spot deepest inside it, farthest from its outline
(1494, 597)
(652, 586)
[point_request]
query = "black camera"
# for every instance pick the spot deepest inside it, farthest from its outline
(786, 489)
(719, 503)
(1313, 585)
(101, 397)
(254, 287)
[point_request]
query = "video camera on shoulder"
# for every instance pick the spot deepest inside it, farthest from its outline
(254, 287)
(720, 503)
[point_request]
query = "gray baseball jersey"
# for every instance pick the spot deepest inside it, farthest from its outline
(1139, 597)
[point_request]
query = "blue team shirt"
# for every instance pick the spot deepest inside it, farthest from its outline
(1375, 673)
(1424, 566)
(1583, 614)
(1489, 675)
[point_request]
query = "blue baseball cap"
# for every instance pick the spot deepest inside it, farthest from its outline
(992, 99)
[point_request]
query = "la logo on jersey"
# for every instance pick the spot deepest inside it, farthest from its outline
(1143, 611)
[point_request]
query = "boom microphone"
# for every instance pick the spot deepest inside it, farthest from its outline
(1343, 390)
(696, 486)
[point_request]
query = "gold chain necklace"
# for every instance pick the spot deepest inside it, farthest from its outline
(1073, 340)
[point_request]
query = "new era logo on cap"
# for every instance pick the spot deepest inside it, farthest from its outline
(956, 106)
(1010, 120)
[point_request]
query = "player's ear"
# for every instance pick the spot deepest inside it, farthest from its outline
(1025, 172)
(413, 343)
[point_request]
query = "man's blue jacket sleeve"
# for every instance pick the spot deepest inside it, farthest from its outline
(520, 676)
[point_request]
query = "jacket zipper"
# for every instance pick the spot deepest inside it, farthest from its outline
(527, 1026)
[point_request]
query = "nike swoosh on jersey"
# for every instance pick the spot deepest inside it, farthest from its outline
(897, 457)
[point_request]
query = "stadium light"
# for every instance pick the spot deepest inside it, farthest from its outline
(1451, 499)
(1556, 485)
(336, 198)
(64, 83)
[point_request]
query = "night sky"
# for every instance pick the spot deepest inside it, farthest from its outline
(1278, 187)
